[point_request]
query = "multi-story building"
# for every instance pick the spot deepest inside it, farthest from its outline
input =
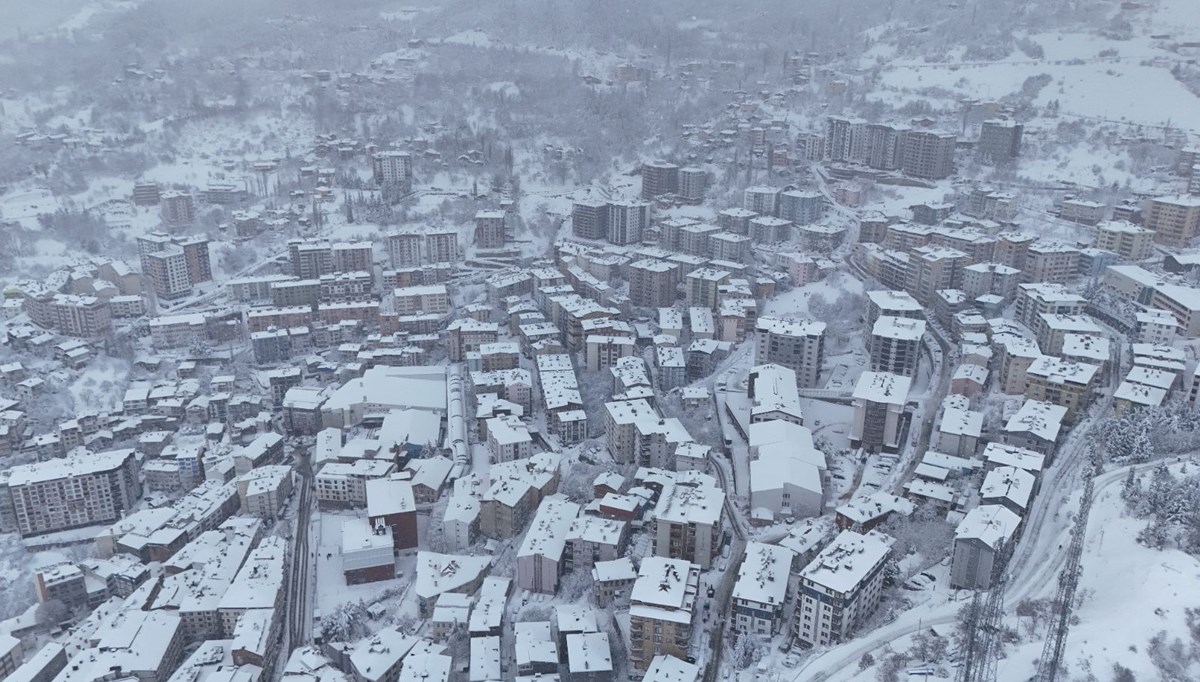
(879, 401)
(1125, 239)
(801, 207)
(797, 345)
(1081, 211)
(979, 538)
(627, 221)
(845, 138)
(80, 490)
(761, 589)
(884, 148)
(999, 141)
(841, 587)
(431, 299)
(171, 266)
(441, 246)
(1067, 384)
(404, 249)
(393, 168)
(177, 208)
(933, 268)
(1174, 219)
(1052, 262)
(688, 519)
(896, 345)
(929, 154)
(761, 199)
(540, 558)
(662, 606)
(652, 283)
(702, 287)
(352, 257)
(1035, 299)
(979, 279)
(659, 178)
(589, 219)
(490, 229)
(692, 182)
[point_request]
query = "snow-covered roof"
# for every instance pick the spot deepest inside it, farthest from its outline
(588, 653)
(961, 422)
(692, 501)
(883, 387)
(795, 328)
(1008, 483)
(1057, 371)
(899, 328)
(548, 532)
(665, 589)
(1001, 454)
(1140, 394)
(666, 668)
(991, 524)
(763, 574)
(1147, 376)
(1038, 418)
(864, 508)
(848, 560)
(615, 570)
(438, 573)
(391, 495)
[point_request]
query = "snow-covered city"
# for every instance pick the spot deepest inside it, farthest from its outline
(552, 341)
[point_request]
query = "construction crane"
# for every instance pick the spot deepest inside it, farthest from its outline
(1068, 581)
(981, 648)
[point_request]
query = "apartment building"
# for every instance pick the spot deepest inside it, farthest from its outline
(761, 199)
(797, 345)
(177, 208)
(884, 145)
(933, 268)
(430, 299)
(404, 249)
(659, 178)
(929, 154)
(589, 219)
(979, 539)
(801, 207)
(895, 345)
(1173, 219)
(688, 519)
(171, 266)
(490, 229)
(845, 138)
(997, 279)
(840, 588)
(999, 141)
(627, 221)
(761, 589)
(392, 168)
(1063, 383)
(879, 402)
(652, 283)
(662, 606)
(1038, 298)
(1081, 211)
(692, 183)
(1052, 262)
(1130, 242)
(702, 287)
(892, 304)
(79, 490)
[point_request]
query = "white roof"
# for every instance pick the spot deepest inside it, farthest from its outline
(698, 501)
(438, 573)
(426, 667)
(1140, 394)
(883, 387)
(900, 328)
(895, 301)
(991, 524)
(1037, 418)
(589, 652)
(1009, 483)
(391, 495)
(617, 569)
(548, 532)
(961, 422)
(775, 325)
(1150, 377)
(763, 574)
(1058, 371)
(848, 560)
(79, 463)
(666, 668)
(1012, 456)
(863, 508)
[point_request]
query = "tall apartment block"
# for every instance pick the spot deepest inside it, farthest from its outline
(170, 266)
(489, 229)
(1174, 219)
(74, 492)
(589, 219)
(177, 208)
(841, 587)
(797, 345)
(929, 154)
(692, 183)
(999, 141)
(628, 221)
(393, 168)
(659, 178)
